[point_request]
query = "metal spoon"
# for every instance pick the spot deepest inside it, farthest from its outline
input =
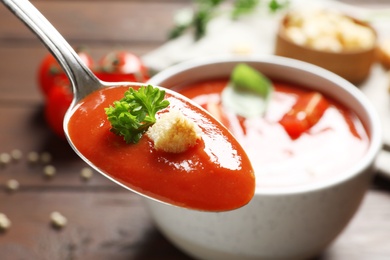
(82, 79)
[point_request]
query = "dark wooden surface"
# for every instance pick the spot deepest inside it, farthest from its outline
(104, 220)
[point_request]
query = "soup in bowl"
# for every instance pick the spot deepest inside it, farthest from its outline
(309, 183)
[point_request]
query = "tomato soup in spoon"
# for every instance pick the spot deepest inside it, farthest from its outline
(213, 175)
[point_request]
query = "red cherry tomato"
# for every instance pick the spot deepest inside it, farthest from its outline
(305, 113)
(58, 101)
(119, 66)
(51, 74)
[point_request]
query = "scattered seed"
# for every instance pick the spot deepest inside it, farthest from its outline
(46, 157)
(86, 173)
(32, 157)
(49, 171)
(5, 158)
(58, 220)
(12, 185)
(16, 154)
(5, 223)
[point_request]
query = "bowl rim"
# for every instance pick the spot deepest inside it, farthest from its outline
(373, 125)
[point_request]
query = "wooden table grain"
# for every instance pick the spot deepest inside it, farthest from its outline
(104, 220)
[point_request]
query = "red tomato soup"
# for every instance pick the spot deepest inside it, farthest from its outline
(214, 175)
(333, 144)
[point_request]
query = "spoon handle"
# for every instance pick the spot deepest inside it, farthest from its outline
(81, 77)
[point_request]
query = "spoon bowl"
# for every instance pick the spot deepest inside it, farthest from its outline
(85, 84)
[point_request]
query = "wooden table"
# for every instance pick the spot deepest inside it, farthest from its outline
(104, 220)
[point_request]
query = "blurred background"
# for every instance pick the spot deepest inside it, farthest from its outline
(40, 174)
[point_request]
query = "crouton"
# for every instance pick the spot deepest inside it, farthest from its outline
(174, 133)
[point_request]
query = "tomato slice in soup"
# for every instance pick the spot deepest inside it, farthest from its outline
(214, 175)
(306, 112)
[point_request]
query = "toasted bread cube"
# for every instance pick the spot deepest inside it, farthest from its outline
(174, 132)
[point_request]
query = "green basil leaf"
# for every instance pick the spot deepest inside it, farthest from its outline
(248, 92)
(247, 79)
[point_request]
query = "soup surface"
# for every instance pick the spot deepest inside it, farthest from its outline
(335, 143)
(214, 175)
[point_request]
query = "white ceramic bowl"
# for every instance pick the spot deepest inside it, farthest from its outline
(295, 222)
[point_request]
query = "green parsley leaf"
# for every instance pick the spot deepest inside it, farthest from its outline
(131, 116)
(205, 10)
(275, 5)
(243, 7)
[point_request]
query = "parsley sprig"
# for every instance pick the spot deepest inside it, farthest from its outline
(205, 10)
(243, 7)
(131, 116)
